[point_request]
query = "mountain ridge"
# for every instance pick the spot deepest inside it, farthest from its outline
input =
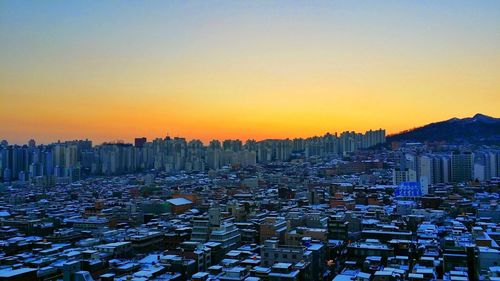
(478, 129)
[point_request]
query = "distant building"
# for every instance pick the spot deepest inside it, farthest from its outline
(179, 205)
(462, 164)
(403, 175)
(19, 274)
(139, 142)
(408, 190)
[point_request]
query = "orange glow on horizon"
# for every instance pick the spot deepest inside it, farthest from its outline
(241, 70)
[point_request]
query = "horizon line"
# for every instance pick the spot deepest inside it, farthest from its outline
(121, 141)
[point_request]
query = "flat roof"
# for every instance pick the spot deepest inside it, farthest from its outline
(9, 272)
(179, 201)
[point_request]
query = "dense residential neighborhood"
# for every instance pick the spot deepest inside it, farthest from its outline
(347, 207)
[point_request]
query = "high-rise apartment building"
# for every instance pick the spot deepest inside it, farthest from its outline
(462, 163)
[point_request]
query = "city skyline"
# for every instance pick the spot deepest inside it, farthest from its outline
(205, 142)
(117, 70)
(202, 140)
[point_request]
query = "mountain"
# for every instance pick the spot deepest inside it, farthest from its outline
(479, 129)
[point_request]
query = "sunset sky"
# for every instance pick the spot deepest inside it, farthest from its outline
(109, 70)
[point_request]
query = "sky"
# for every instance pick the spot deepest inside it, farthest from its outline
(115, 70)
